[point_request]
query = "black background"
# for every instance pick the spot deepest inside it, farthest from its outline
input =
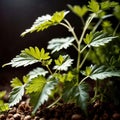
(18, 15)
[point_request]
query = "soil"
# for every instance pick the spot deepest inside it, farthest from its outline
(98, 111)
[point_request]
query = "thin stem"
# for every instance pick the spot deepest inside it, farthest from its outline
(76, 48)
(83, 49)
(96, 26)
(86, 26)
(100, 21)
(71, 30)
(83, 61)
(83, 79)
(54, 102)
(116, 29)
(82, 35)
(49, 70)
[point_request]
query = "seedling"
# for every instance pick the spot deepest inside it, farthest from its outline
(58, 75)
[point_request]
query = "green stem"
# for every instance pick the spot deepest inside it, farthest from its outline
(116, 29)
(71, 29)
(83, 79)
(100, 21)
(84, 59)
(49, 70)
(86, 26)
(54, 102)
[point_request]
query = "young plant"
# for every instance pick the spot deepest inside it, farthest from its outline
(58, 75)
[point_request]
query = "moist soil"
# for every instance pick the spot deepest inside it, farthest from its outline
(62, 111)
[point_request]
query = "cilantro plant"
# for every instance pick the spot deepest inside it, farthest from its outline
(58, 75)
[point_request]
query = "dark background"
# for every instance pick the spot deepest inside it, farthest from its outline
(18, 15)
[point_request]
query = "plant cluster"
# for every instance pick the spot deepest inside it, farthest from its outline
(97, 44)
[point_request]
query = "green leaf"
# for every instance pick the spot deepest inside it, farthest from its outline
(79, 11)
(88, 38)
(102, 72)
(60, 60)
(22, 60)
(100, 39)
(35, 85)
(16, 95)
(63, 64)
(36, 53)
(2, 94)
(16, 82)
(94, 6)
(105, 5)
(57, 44)
(38, 98)
(46, 21)
(37, 72)
(4, 107)
(29, 56)
(79, 94)
(117, 12)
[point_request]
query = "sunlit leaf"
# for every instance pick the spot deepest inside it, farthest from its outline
(100, 39)
(37, 72)
(2, 94)
(46, 21)
(102, 72)
(80, 11)
(38, 98)
(105, 5)
(57, 44)
(94, 6)
(29, 56)
(65, 64)
(88, 38)
(16, 82)
(35, 85)
(4, 107)
(16, 95)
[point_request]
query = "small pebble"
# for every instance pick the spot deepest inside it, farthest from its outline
(116, 116)
(28, 117)
(17, 116)
(76, 117)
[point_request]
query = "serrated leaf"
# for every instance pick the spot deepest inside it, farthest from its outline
(57, 44)
(80, 11)
(60, 60)
(29, 56)
(94, 6)
(25, 79)
(16, 82)
(102, 72)
(37, 72)
(82, 95)
(35, 85)
(78, 93)
(38, 98)
(105, 5)
(16, 95)
(100, 39)
(65, 64)
(22, 60)
(88, 38)
(46, 21)
(36, 53)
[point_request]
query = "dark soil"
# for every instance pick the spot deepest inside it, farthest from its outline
(98, 111)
